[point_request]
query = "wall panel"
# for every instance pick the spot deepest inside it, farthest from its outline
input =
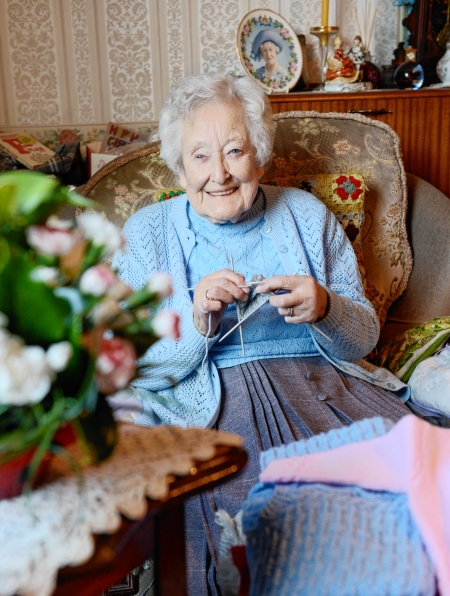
(66, 62)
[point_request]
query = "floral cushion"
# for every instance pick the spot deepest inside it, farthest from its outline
(311, 143)
(343, 194)
(404, 353)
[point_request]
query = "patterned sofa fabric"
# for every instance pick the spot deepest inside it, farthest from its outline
(311, 142)
(306, 143)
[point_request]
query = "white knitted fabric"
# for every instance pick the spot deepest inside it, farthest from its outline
(307, 236)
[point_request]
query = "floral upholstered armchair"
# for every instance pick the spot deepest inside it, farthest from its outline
(398, 223)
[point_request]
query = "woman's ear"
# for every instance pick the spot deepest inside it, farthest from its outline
(259, 172)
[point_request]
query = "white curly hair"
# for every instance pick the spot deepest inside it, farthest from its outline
(195, 91)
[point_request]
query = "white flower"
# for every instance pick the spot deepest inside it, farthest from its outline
(161, 284)
(25, 375)
(51, 241)
(27, 372)
(97, 280)
(58, 355)
(58, 224)
(166, 324)
(48, 275)
(101, 232)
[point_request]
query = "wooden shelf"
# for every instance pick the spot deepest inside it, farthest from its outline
(421, 118)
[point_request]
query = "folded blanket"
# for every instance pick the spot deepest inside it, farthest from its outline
(412, 458)
(312, 539)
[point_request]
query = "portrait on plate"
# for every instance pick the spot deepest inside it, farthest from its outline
(269, 50)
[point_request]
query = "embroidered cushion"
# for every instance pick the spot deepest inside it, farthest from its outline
(343, 194)
(402, 355)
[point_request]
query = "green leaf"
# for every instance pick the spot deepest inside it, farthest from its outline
(33, 310)
(28, 197)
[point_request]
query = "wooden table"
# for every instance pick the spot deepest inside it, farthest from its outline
(159, 535)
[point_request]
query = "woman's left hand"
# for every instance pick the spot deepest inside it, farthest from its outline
(305, 301)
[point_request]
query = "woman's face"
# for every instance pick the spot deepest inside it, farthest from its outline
(220, 172)
(268, 51)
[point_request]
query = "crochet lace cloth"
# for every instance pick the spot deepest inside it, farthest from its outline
(54, 526)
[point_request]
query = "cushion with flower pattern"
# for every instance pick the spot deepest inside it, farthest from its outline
(343, 194)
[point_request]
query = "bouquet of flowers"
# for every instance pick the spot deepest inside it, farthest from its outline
(70, 329)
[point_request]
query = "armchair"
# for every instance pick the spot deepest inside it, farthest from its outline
(403, 213)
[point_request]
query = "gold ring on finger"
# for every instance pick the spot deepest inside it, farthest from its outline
(291, 311)
(206, 295)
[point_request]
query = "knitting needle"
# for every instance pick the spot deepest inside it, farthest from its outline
(250, 284)
(240, 328)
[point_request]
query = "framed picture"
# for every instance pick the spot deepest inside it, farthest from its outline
(269, 50)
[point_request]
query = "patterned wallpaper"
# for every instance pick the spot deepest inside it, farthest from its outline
(65, 62)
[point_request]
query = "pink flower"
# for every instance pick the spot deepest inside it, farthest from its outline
(51, 241)
(161, 284)
(115, 364)
(100, 232)
(121, 189)
(341, 147)
(167, 324)
(97, 280)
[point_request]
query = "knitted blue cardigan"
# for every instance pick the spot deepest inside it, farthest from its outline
(308, 237)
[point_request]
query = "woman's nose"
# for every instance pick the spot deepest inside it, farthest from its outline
(219, 171)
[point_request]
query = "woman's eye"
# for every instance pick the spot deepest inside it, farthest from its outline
(236, 151)
(199, 156)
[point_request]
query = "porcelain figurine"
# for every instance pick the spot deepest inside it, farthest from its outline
(341, 68)
(357, 53)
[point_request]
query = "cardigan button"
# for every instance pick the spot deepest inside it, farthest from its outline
(283, 248)
(267, 228)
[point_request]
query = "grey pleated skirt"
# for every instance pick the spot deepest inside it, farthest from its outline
(269, 403)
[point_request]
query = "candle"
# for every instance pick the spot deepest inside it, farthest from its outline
(324, 13)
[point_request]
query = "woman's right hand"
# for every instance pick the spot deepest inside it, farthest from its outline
(213, 294)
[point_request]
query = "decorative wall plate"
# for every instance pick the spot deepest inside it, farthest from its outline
(269, 50)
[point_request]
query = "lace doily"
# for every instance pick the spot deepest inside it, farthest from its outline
(53, 527)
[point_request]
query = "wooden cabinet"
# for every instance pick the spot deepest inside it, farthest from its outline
(421, 119)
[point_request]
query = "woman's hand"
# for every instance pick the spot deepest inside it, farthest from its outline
(213, 294)
(305, 302)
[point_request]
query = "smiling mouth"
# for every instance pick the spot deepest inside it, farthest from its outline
(221, 193)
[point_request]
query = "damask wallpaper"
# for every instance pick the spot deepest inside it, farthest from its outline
(67, 62)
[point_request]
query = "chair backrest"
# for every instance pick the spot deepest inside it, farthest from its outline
(306, 143)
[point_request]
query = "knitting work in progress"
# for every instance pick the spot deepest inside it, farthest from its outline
(322, 539)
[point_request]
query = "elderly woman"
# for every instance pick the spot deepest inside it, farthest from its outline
(299, 374)
(267, 45)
